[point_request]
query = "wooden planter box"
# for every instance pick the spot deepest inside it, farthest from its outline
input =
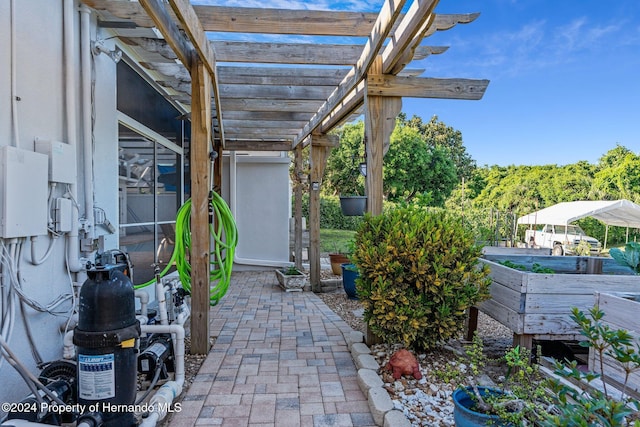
(620, 312)
(291, 282)
(538, 306)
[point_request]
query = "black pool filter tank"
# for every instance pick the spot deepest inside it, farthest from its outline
(107, 343)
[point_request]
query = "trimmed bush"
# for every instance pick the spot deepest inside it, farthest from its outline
(419, 273)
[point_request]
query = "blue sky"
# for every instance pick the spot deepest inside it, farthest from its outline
(565, 79)
(565, 75)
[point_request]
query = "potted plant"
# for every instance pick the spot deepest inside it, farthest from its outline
(291, 279)
(520, 400)
(349, 276)
(566, 399)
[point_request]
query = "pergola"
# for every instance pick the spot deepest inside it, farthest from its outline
(280, 96)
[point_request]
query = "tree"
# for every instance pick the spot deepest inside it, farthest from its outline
(438, 134)
(412, 168)
(619, 175)
(341, 173)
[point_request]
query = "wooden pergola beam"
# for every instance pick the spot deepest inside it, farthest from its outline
(419, 87)
(321, 146)
(381, 29)
(191, 25)
(164, 22)
(272, 21)
(200, 241)
(253, 145)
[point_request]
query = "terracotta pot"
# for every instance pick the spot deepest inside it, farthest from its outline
(336, 261)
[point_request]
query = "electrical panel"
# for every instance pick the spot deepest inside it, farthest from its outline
(23, 193)
(62, 160)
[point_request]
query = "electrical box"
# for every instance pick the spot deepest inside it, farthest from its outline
(62, 215)
(62, 160)
(23, 193)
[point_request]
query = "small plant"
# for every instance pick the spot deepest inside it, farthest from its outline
(593, 407)
(526, 398)
(291, 271)
(630, 256)
(535, 268)
(583, 248)
(419, 273)
(520, 400)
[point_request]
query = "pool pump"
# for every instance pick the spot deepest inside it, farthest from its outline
(107, 338)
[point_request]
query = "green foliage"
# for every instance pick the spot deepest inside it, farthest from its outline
(578, 407)
(291, 271)
(438, 135)
(419, 274)
(521, 399)
(535, 268)
(630, 256)
(342, 175)
(330, 214)
(413, 168)
(336, 241)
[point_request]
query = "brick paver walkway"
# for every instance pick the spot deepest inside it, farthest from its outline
(280, 359)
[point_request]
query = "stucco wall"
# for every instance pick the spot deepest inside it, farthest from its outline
(256, 188)
(39, 79)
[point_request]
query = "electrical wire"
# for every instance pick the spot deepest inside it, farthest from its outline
(153, 383)
(225, 242)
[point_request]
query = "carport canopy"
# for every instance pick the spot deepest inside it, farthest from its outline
(622, 213)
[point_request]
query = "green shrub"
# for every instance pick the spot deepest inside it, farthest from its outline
(419, 273)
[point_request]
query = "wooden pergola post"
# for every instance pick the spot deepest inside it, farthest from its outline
(321, 146)
(200, 238)
(297, 206)
(380, 120)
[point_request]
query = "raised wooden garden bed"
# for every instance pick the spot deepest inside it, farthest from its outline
(620, 312)
(538, 305)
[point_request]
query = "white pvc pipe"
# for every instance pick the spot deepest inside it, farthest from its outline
(162, 302)
(144, 301)
(73, 243)
(69, 350)
(87, 125)
(14, 74)
(23, 423)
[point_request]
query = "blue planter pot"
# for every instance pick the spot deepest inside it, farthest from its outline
(465, 416)
(349, 276)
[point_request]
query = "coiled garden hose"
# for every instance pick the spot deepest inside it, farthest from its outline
(225, 242)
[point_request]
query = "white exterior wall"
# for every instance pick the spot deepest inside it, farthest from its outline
(257, 189)
(40, 82)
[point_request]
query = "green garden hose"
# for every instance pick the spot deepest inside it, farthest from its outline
(225, 242)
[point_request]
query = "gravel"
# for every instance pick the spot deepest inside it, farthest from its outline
(427, 402)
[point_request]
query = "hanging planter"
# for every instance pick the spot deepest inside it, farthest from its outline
(353, 205)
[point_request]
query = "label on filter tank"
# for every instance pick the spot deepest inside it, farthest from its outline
(96, 376)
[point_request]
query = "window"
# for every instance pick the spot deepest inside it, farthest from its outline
(151, 190)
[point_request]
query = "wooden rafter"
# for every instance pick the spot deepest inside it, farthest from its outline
(381, 28)
(170, 30)
(274, 21)
(416, 87)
